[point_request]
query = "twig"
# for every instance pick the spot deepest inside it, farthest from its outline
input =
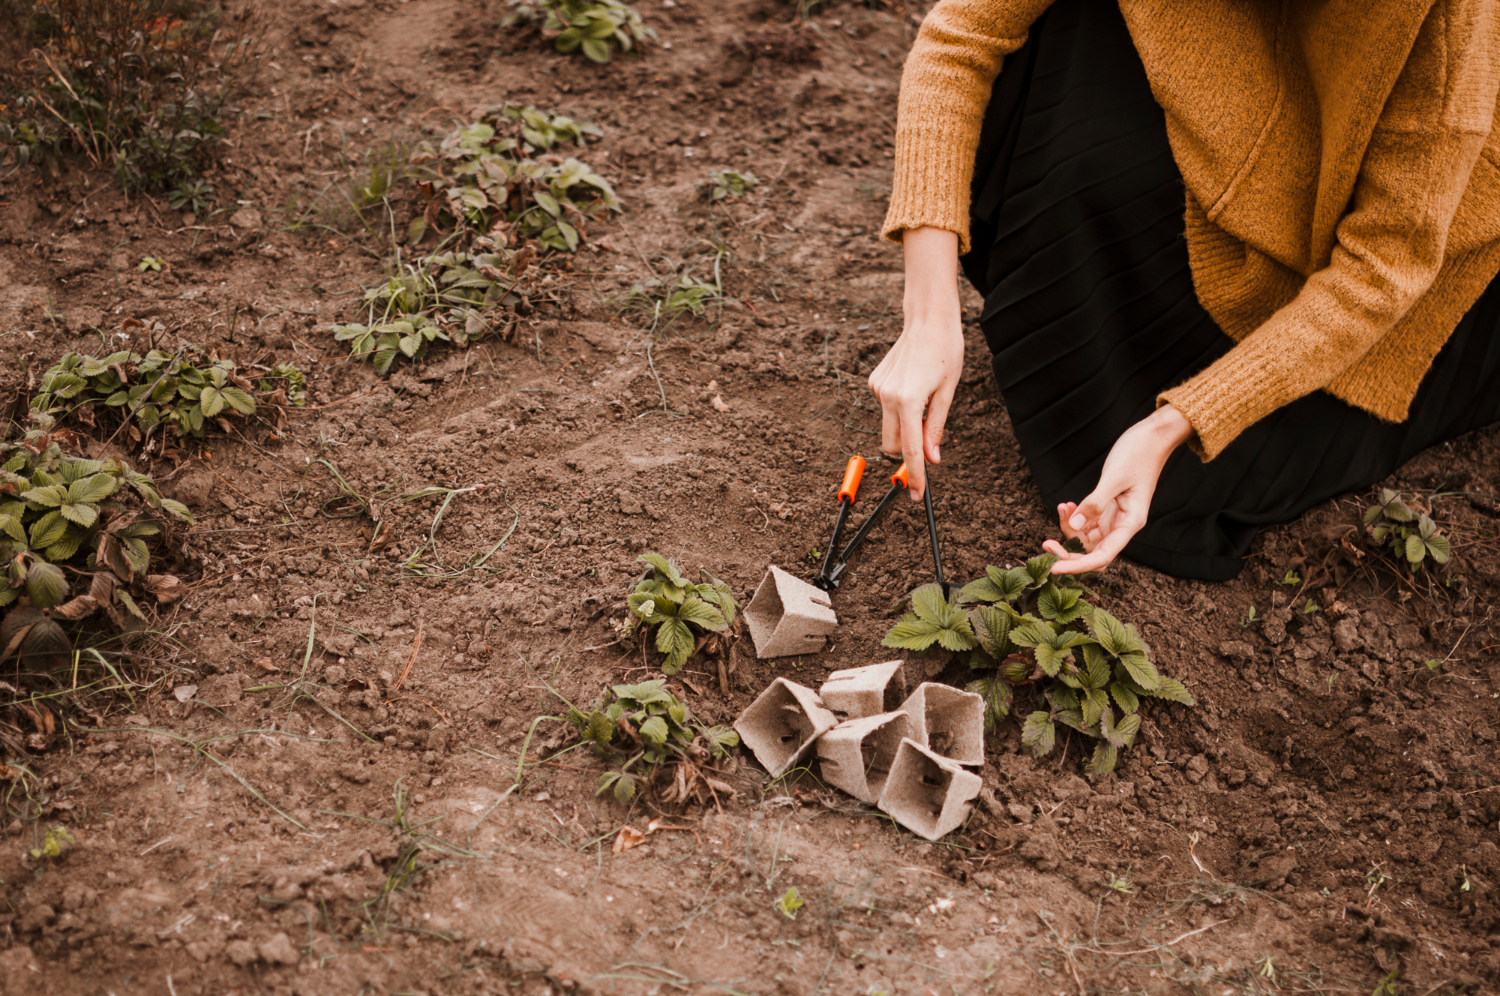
(414, 698)
(416, 645)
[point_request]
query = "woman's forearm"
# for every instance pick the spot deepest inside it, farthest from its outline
(931, 296)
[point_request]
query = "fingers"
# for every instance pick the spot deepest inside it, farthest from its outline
(911, 450)
(890, 427)
(1064, 513)
(937, 418)
(1096, 559)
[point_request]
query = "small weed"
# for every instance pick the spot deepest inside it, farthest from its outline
(1388, 985)
(643, 728)
(55, 840)
(1309, 607)
(284, 384)
(688, 617)
(1433, 664)
(789, 903)
(1123, 885)
(1250, 618)
(1026, 625)
(665, 300)
(1464, 885)
(729, 183)
(1409, 533)
(1292, 579)
(152, 263)
(598, 29)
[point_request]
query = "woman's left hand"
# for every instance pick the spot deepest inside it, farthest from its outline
(1116, 510)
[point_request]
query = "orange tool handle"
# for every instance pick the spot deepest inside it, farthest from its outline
(852, 476)
(899, 478)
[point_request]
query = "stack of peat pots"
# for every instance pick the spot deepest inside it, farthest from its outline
(910, 759)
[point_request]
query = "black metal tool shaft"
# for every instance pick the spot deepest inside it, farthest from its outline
(937, 552)
(833, 543)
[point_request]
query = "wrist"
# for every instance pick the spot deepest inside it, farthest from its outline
(1170, 426)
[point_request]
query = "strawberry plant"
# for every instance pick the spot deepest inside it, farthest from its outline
(182, 392)
(728, 183)
(505, 208)
(688, 617)
(284, 384)
(66, 522)
(597, 29)
(1411, 534)
(641, 728)
(1065, 659)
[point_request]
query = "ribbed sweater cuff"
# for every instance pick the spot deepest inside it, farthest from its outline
(930, 187)
(1230, 396)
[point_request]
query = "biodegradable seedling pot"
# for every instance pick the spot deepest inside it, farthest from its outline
(929, 795)
(789, 616)
(865, 691)
(781, 725)
(857, 754)
(947, 721)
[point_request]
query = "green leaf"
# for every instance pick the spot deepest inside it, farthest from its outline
(239, 400)
(675, 640)
(1141, 671)
(929, 604)
(177, 509)
(1127, 728)
(45, 585)
(1114, 636)
(1094, 703)
(1096, 669)
(1040, 569)
(1438, 547)
(48, 530)
(1124, 698)
(67, 547)
(92, 489)
(1103, 761)
(50, 496)
(698, 612)
(1038, 734)
(211, 402)
(1062, 604)
(997, 697)
(654, 731)
(1415, 550)
(992, 629)
(664, 567)
(596, 50)
(911, 633)
(1174, 690)
(84, 515)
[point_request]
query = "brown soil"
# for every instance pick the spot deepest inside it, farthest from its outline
(1308, 827)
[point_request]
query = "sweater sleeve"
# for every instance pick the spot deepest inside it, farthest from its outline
(1389, 245)
(945, 87)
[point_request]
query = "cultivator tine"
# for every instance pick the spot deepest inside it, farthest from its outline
(899, 482)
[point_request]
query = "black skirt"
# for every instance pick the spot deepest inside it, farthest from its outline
(1089, 310)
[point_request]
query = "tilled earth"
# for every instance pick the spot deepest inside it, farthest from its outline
(283, 813)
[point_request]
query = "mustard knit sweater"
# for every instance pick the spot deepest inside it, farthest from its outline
(1342, 171)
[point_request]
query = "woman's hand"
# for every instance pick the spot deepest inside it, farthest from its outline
(1116, 510)
(921, 371)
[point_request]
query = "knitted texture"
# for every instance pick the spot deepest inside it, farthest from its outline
(1340, 163)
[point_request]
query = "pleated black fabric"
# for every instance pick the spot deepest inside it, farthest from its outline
(1090, 312)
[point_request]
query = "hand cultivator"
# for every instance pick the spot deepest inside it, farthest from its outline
(834, 564)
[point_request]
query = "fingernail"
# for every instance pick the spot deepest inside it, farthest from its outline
(1078, 522)
(937, 453)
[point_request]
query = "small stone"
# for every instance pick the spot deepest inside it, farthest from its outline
(1234, 776)
(1237, 650)
(1020, 812)
(245, 218)
(242, 953)
(278, 950)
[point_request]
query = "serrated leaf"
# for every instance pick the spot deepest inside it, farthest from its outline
(654, 731)
(45, 585)
(1415, 550)
(83, 515)
(997, 697)
(211, 402)
(992, 629)
(1040, 568)
(239, 400)
(664, 567)
(1096, 669)
(1104, 759)
(92, 489)
(1093, 703)
(1439, 548)
(129, 603)
(48, 530)
(675, 640)
(1173, 690)
(1141, 671)
(49, 496)
(1124, 698)
(177, 509)
(698, 612)
(1038, 734)
(1127, 728)
(911, 633)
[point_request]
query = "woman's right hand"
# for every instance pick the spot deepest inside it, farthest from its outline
(916, 379)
